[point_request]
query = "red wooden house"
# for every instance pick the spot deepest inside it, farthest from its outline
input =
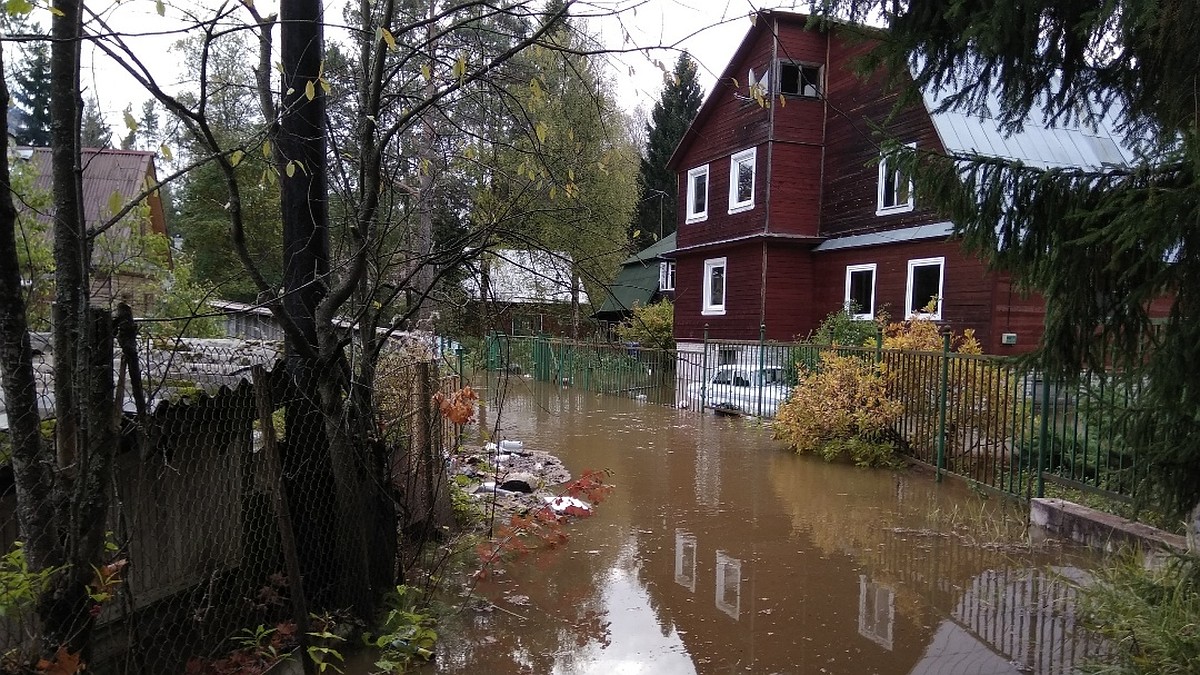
(788, 211)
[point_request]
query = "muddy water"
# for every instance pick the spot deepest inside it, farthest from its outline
(719, 553)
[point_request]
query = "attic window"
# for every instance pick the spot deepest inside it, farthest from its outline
(799, 79)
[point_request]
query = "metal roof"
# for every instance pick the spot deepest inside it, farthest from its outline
(931, 231)
(653, 251)
(1089, 144)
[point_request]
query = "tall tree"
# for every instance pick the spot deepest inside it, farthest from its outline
(32, 93)
(95, 132)
(673, 112)
(1101, 245)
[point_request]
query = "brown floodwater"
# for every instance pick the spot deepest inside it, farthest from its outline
(719, 552)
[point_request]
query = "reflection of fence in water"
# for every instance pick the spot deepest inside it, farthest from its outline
(1026, 614)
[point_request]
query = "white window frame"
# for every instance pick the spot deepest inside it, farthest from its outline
(709, 308)
(666, 275)
(692, 175)
(869, 313)
(735, 162)
(887, 175)
(909, 310)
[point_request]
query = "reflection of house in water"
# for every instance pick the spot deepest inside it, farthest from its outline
(729, 584)
(876, 611)
(685, 560)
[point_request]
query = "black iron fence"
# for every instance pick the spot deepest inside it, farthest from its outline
(980, 417)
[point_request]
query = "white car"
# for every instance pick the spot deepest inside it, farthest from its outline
(741, 390)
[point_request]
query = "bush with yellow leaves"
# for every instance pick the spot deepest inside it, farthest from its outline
(982, 406)
(840, 408)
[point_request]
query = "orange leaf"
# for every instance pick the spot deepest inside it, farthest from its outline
(64, 663)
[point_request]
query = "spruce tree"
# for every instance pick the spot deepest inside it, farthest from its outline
(31, 91)
(676, 108)
(1100, 245)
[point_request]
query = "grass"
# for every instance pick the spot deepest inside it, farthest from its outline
(1150, 616)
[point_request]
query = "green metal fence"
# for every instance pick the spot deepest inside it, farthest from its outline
(979, 417)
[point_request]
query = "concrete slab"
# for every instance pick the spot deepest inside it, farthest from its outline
(1098, 529)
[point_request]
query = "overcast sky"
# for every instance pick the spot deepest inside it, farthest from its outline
(709, 30)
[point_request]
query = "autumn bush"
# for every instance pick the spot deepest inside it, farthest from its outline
(840, 408)
(982, 405)
(650, 325)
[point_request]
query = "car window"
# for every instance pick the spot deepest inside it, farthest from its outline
(723, 377)
(740, 380)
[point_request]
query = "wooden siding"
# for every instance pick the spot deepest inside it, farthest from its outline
(852, 148)
(743, 300)
(789, 309)
(795, 206)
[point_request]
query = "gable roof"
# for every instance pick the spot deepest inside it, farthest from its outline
(637, 282)
(653, 251)
(106, 172)
(961, 132)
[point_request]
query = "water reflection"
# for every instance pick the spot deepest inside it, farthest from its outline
(685, 560)
(814, 567)
(729, 585)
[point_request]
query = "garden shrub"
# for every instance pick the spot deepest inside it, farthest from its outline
(840, 408)
(651, 326)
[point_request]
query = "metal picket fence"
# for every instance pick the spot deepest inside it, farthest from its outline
(980, 417)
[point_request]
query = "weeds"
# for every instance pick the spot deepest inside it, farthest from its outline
(1149, 616)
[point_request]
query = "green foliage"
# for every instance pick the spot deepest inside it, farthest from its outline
(841, 407)
(1149, 616)
(34, 251)
(20, 587)
(31, 90)
(651, 326)
(842, 329)
(183, 301)
(405, 635)
(673, 112)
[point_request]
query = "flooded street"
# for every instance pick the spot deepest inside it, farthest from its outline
(720, 553)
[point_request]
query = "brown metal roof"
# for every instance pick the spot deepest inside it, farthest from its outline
(106, 171)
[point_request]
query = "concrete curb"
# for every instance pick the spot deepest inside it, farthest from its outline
(1098, 529)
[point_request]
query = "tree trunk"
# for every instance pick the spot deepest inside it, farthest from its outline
(70, 273)
(424, 278)
(30, 462)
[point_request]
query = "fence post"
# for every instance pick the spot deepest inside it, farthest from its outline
(704, 373)
(461, 375)
(878, 345)
(941, 440)
(1043, 435)
(762, 346)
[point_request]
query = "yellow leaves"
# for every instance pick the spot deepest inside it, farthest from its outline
(165, 151)
(460, 67)
(115, 202)
(310, 90)
(266, 149)
(427, 72)
(384, 34)
(236, 157)
(160, 7)
(540, 129)
(15, 7)
(130, 122)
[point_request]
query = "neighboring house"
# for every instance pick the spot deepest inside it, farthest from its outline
(127, 256)
(788, 212)
(525, 292)
(645, 278)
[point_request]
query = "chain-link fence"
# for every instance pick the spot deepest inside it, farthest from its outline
(218, 502)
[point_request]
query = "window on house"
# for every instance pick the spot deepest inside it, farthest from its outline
(798, 79)
(895, 187)
(859, 299)
(741, 181)
(925, 295)
(666, 276)
(714, 286)
(697, 194)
